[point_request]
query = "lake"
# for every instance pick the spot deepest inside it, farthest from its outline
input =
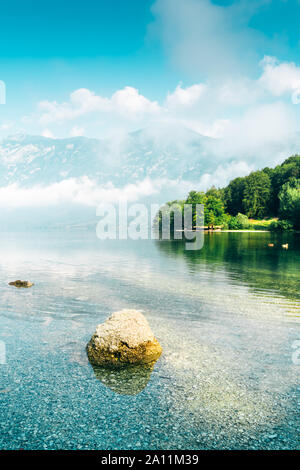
(227, 317)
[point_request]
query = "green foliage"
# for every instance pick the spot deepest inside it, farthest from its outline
(213, 191)
(213, 211)
(169, 211)
(233, 196)
(261, 224)
(289, 198)
(195, 197)
(256, 194)
(239, 222)
(280, 175)
(271, 192)
(281, 225)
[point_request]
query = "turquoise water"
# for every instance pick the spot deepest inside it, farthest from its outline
(227, 318)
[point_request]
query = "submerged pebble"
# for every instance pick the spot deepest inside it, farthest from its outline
(19, 283)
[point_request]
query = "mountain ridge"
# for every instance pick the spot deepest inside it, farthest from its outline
(31, 160)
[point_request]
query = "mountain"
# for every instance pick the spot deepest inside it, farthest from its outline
(46, 181)
(36, 160)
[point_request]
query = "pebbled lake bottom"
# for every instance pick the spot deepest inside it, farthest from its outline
(227, 317)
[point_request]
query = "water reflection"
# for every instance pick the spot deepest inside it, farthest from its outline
(247, 258)
(129, 380)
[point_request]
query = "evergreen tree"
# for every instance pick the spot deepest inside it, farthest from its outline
(289, 198)
(233, 196)
(256, 196)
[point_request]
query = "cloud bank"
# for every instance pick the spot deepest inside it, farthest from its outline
(86, 192)
(244, 114)
(253, 122)
(82, 191)
(208, 39)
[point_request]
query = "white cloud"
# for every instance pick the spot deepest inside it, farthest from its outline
(127, 102)
(262, 135)
(82, 191)
(280, 78)
(216, 129)
(6, 126)
(82, 101)
(130, 101)
(86, 192)
(238, 92)
(204, 38)
(251, 118)
(185, 96)
(47, 133)
(223, 174)
(77, 131)
(207, 108)
(264, 124)
(85, 101)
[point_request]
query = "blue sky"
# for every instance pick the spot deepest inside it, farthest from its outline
(228, 70)
(51, 49)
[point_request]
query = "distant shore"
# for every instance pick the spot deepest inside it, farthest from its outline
(241, 230)
(227, 230)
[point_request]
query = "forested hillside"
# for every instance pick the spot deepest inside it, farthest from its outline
(271, 193)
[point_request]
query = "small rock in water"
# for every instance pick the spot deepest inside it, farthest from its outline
(125, 338)
(19, 283)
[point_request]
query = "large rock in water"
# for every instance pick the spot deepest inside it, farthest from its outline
(125, 338)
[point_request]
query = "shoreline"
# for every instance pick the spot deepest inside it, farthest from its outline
(241, 231)
(223, 231)
(247, 231)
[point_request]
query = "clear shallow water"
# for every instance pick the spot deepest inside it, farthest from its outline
(227, 317)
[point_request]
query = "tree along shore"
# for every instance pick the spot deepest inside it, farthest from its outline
(267, 199)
